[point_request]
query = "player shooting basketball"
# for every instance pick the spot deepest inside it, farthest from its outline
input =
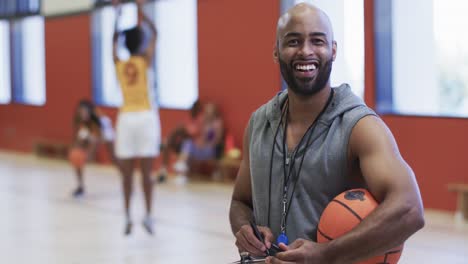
(138, 125)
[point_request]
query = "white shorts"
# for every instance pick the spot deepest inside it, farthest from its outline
(138, 135)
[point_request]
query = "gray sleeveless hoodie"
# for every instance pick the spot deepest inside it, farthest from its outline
(323, 173)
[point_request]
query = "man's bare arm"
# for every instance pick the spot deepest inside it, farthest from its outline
(241, 204)
(392, 182)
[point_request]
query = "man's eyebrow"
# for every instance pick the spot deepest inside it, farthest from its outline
(317, 34)
(312, 34)
(292, 34)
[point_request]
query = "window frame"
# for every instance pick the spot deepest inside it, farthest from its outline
(6, 61)
(22, 91)
(385, 27)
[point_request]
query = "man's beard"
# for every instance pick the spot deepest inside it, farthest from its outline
(306, 88)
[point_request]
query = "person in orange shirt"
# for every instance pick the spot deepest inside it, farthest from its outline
(138, 124)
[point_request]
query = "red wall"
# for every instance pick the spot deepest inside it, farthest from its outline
(236, 40)
(68, 78)
(226, 29)
(236, 70)
(435, 148)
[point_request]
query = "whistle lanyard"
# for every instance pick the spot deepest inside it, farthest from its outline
(289, 160)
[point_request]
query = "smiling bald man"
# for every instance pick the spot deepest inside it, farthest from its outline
(310, 143)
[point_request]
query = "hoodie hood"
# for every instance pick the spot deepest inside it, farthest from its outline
(343, 101)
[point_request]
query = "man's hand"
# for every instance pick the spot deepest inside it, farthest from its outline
(246, 241)
(300, 251)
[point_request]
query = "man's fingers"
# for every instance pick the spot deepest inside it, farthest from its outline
(273, 260)
(253, 245)
(249, 236)
(296, 244)
(293, 255)
(267, 234)
(243, 244)
(240, 247)
(247, 241)
(283, 246)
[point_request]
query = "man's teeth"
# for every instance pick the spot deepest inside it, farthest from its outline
(307, 67)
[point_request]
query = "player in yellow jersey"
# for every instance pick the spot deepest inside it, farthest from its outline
(138, 125)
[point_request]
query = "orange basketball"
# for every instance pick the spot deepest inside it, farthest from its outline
(345, 212)
(77, 157)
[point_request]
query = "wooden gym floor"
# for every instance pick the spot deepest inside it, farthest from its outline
(41, 223)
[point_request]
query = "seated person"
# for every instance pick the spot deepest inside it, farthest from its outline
(206, 146)
(189, 130)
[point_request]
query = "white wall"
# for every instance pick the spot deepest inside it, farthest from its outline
(58, 7)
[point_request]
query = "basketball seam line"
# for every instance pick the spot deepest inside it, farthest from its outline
(349, 208)
(394, 251)
(385, 258)
(323, 234)
(389, 253)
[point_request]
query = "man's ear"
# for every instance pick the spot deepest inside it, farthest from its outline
(275, 54)
(334, 49)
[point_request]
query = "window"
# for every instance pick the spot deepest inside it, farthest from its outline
(14, 8)
(106, 88)
(347, 18)
(423, 73)
(176, 52)
(28, 53)
(5, 83)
